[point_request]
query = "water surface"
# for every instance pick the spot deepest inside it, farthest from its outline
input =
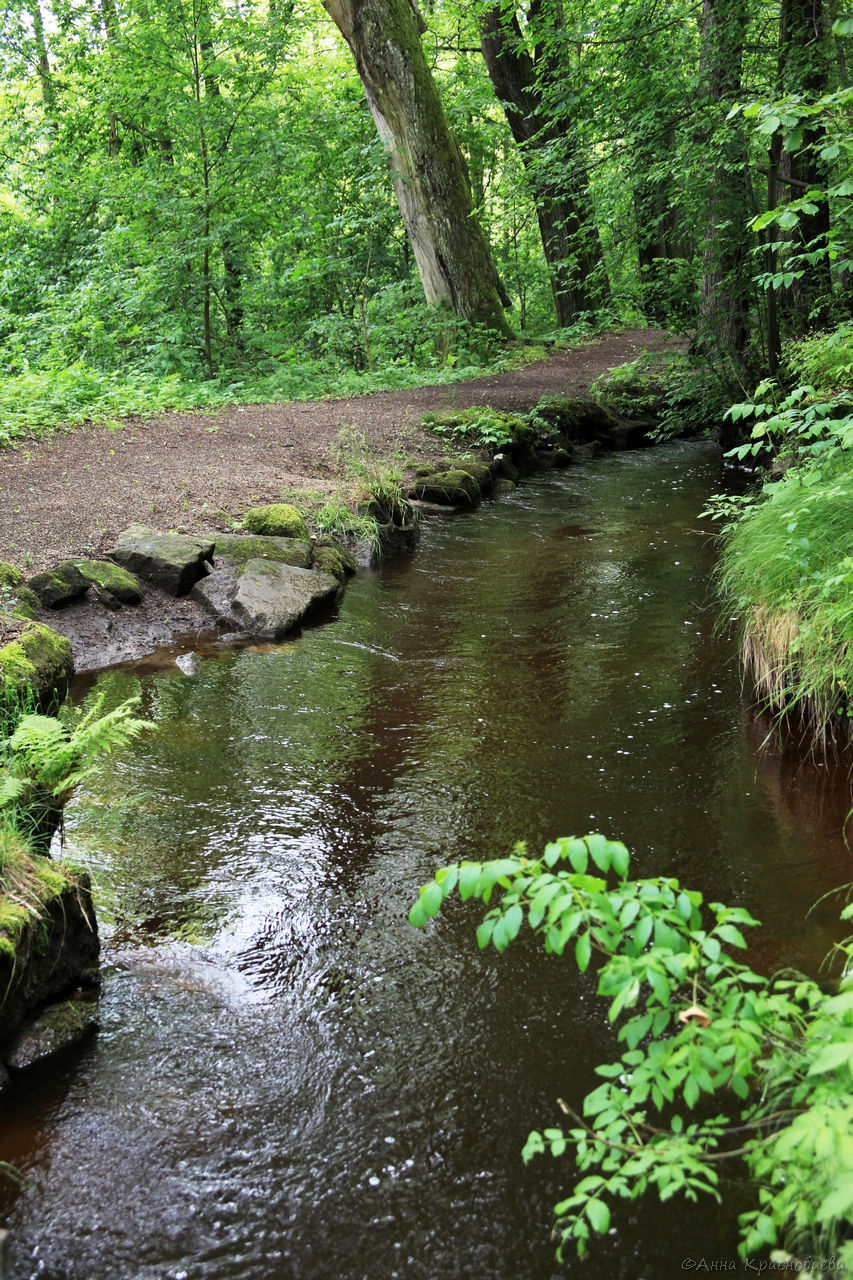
(289, 1081)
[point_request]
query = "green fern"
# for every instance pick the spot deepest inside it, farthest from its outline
(45, 758)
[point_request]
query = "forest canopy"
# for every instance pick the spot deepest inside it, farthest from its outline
(222, 191)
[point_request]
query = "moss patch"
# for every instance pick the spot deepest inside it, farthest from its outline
(279, 520)
(239, 548)
(448, 488)
(111, 578)
(38, 659)
(9, 575)
(27, 883)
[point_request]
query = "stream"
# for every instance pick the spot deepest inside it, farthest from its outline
(291, 1082)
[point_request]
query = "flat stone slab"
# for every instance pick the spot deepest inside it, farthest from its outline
(57, 1027)
(271, 599)
(238, 549)
(172, 561)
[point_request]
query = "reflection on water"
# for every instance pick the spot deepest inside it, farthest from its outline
(291, 1082)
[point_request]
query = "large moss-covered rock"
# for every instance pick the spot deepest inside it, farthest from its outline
(112, 579)
(278, 520)
(36, 658)
(172, 561)
(335, 544)
(48, 937)
(447, 488)
(237, 549)
(59, 586)
(330, 560)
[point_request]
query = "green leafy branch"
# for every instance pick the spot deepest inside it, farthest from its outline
(698, 1024)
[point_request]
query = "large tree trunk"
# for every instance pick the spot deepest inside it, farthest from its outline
(570, 238)
(428, 173)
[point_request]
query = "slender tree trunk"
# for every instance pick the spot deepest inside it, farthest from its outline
(48, 90)
(804, 60)
(725, 285)
(452, 256)
(570, 238)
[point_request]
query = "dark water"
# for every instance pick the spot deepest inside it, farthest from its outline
(289, 1080)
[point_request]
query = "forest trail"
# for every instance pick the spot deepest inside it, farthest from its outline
(72, 494)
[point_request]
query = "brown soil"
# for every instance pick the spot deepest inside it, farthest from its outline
(72, 494)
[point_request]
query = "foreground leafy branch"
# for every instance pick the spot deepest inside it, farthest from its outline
(700, 1028)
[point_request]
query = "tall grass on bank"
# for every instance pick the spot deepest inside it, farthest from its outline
(787, 571)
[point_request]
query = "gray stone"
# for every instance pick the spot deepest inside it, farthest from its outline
(55, 1028)
(271, 599)
(239, 548)
(172, 561)
(216, 594)
(59, 586)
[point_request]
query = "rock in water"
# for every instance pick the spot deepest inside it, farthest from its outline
(271, 599)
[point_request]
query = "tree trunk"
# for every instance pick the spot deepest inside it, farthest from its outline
(725, 287)
(804, 70)
(570, 239)
(451, 252)
(48, 91)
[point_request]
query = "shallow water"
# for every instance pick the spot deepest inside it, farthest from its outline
(289, 1081)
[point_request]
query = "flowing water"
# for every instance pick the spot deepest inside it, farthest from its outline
(289, 1081)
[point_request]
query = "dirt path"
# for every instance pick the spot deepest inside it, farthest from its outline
(71, 495)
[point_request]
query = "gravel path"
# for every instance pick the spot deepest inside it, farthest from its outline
(72, 494)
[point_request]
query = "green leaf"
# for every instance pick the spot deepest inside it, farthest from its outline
(600, 851)
(643, 931)
(417, 915)
(431, 899)
(578, 856)
(469, 874)
(730, 934)
(599, 1215)
(485, 931)
(583, 951)
(619, 858)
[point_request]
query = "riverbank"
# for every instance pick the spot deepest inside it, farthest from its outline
(72, 494)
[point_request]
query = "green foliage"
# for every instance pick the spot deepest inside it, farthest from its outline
(721, 1065)
(479, 428)
(797, 428)
(786, 568)
(43, 759)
